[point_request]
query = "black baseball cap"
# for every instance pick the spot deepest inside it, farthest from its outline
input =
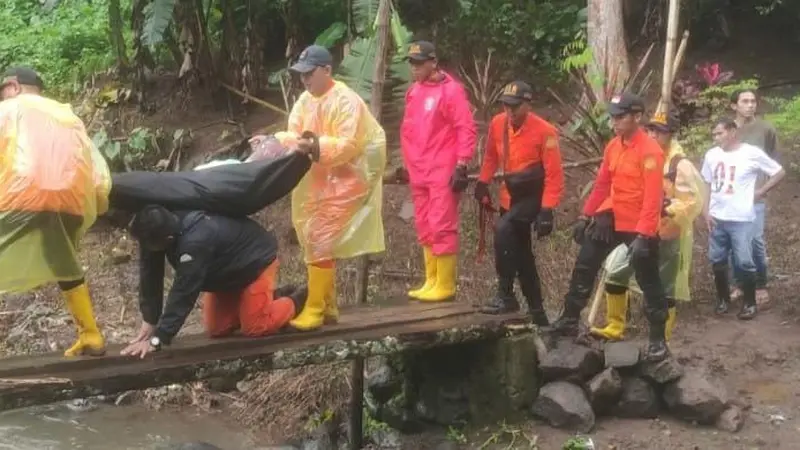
(421, 51)
(664, 123)
(627, 103)
(23, 75)
(312, 57)
(516, 92)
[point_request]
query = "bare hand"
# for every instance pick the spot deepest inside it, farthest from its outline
(710, 223)
(139, 349)
(145, 333)
(255, 140)
(759, 195)
(305, 145)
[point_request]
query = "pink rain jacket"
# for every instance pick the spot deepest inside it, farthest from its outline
(438, 130)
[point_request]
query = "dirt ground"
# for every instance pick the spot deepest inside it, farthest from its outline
(754, 360)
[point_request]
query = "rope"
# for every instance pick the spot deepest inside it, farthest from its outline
(486, 213)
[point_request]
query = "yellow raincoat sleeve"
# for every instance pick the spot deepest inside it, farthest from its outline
(345, 119)
(689, 193)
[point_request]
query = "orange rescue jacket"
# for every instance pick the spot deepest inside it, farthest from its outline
(629, 183)
(536, 141)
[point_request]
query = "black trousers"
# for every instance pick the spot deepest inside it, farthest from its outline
(513, 251)
(591, 257)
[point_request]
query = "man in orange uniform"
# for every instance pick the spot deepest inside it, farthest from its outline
(525, 148)
(623, 207)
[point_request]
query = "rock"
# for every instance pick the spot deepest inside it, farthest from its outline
(564, 405)
(383, 383)
(222, 384)
(662, 372)
(81, 405)
(605, 390)
(386, 438)
(694, 399)
(638, 400)
(324, 437)
(194, 446)
(621, 354)
(731, 420)
(568, 361)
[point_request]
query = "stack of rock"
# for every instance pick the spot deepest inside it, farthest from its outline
(582, 383)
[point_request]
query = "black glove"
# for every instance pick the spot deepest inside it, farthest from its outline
(544, 222)
(481, 193)
(579, 230)
(640, 247)
(313, 150)
(459, 180)
(602, 228)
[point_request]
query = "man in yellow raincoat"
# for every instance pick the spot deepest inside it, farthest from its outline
(336, 208)
(53, 185)
(684, 193)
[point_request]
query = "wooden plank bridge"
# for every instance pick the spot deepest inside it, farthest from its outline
(363, 331)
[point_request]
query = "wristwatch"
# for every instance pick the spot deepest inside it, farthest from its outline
(155, 342)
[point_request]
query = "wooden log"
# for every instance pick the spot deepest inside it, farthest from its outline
(28, 381)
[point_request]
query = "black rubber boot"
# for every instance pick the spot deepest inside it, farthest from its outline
(568, 324)
(723, 288)
(532, 291)
(504, 302)
(749, 307)
(539, 317)
(657, 349)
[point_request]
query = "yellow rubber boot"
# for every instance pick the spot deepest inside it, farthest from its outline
(320, 285)
(331, 313)
(671, 316)
(90, 341)
(430, 274)
(616, 310)
(445, 286)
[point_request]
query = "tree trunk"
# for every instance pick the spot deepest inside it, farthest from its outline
(115, 35)
(606, 38)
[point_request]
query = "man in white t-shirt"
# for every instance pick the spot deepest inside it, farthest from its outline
(731, 169)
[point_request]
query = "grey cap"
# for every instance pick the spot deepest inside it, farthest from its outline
(312, 57)
(23, 75)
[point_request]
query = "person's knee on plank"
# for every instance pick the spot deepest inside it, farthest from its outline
(235, 259)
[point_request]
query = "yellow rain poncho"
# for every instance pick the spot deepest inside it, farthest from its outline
(336, 208)
(686, 197)
(53, 185)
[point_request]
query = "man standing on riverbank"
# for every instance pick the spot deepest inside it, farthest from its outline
(731, 169)
(525, 149)
(624, 207)
(336, 208)
(757, 132)
(438, 140)
(53, 185)
(233, 261)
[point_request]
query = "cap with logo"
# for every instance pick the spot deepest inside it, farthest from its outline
(516, 92)
(312, 57)
(23, 75)
(664, 123)
(627, 103)
(421, 51)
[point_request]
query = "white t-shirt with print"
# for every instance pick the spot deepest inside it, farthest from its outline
(732, 176)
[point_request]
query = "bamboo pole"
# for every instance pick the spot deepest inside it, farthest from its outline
(679, 57)
(362, 279)
(669, 57)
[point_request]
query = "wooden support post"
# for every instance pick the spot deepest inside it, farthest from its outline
(362, 282)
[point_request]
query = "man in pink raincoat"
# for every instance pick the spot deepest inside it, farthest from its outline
(438, 139)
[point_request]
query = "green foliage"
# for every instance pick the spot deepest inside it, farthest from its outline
(712, 104)
(65, 44)
(526, 36)
(142, 149)
(158, 16)
(787, 120)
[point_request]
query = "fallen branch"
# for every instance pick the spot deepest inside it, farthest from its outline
(263, 103)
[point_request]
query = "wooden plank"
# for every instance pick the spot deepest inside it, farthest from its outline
(75, 378)
(352, 319)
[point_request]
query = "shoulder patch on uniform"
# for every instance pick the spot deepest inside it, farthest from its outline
(186, 258)
(551, 142)
(649, 162)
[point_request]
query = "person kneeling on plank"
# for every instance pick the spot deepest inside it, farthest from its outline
(526, 149)
(684, 194)
(233, 261)
(625, 207)
(53, 185)
(336, 208)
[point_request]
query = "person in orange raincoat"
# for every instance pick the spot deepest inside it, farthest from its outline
(53, 185)
(625, 207)
(525, 148)
(336, 208)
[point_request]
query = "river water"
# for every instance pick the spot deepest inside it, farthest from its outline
(109, 427)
